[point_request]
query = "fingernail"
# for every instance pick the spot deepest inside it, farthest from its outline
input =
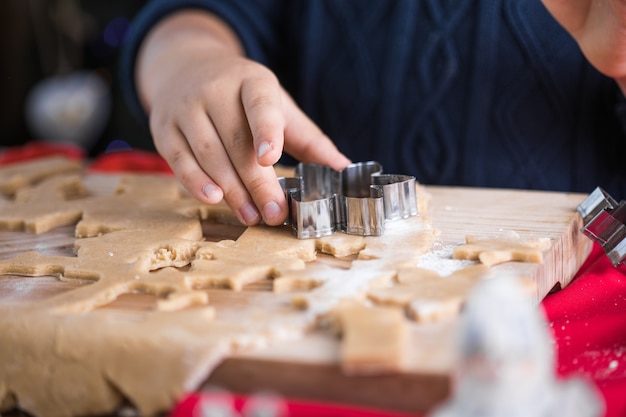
(264, 148)
(249, 213)
(271, 210)
(210, 191)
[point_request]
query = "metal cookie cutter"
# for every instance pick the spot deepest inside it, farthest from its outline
(605, 223)
(357, 200)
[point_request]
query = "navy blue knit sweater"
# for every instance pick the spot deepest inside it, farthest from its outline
(462, 92)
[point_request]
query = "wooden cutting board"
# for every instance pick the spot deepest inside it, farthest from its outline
(308, 367)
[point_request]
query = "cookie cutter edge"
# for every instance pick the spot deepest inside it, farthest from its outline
(357, 200)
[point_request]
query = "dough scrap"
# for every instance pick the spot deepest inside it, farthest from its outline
(426, 295)
(375, 339)
(505, 248)
(16, 176)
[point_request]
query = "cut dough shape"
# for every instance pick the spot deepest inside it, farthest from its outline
(16, 176)
(341, 245)
(510, 247)
(376, 265)
(42, 207)
(57, 188)
(181, 300)
(260, 253)
(426, 295)
(374, 339)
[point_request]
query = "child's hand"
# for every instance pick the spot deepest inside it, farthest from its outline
(221, 121)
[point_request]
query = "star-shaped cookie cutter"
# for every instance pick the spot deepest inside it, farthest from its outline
(604, 222)
(357, 200)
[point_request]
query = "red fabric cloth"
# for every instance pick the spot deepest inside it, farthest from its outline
(588, 318)
(130, 161)
(588, 321)
(293, 408)
(119, 161)
(37, 149)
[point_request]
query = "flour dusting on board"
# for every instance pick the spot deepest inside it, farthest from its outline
(439, 259)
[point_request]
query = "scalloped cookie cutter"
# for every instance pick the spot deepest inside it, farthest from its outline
(604, 222)
(357, 200)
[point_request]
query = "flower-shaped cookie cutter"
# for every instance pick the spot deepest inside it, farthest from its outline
(357, 200)
(604, 222)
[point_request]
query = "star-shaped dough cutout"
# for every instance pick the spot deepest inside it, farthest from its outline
(506, 248)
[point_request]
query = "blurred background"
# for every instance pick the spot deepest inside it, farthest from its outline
(58, 77)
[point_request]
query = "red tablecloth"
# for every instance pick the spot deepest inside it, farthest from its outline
(588, 318)
(588, 321)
